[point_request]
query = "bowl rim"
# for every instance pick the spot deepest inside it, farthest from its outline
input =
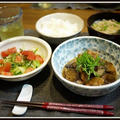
(51, 14)
(89, 26)
(30, 38)
(80, 85)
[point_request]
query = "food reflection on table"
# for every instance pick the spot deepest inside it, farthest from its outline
(89, 69)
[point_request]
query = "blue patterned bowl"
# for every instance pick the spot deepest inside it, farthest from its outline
(71, 48)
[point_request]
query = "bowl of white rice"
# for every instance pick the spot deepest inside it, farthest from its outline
(58, 27)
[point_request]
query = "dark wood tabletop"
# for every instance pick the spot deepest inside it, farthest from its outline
(47, 87)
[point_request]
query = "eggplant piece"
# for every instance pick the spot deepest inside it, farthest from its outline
(83, 76)
(109, 67)
(71, 64)
(70, 74)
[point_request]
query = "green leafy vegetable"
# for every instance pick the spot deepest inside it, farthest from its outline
(35, 64)
(18, 70)
(35, 51)
(118, 22)
(105, 27)
(87, 63)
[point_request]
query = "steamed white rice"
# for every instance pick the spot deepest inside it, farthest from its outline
(58, 28)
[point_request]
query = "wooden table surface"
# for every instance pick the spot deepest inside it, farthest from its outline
(31, 15)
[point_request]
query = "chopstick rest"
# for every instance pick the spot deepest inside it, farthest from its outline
(25, 95)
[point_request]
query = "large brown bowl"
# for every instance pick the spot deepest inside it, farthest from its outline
(100, 16)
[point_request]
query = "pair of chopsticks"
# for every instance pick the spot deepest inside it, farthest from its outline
(76, 108)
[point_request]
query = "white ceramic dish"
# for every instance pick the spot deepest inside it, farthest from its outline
(71, 18)
(27, 43)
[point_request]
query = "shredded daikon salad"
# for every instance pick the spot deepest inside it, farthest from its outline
(107, 26)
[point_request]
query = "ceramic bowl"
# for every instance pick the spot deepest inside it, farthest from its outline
(71, 18)
(27, 43)
(100, 16)
(71, 48)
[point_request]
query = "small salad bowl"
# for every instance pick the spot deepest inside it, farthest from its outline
(26, 43)
(70, 49)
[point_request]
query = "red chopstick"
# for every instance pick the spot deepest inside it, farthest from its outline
(78, 110)
(65, 107)
(77, 105)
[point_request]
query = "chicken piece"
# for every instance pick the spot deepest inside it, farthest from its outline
(100, 70)
(109, 78)
(92, 53)
(70, 74)
(95, 81)
(109, 67)
(79, 82)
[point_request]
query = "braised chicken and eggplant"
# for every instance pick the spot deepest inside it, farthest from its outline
(89, 69)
